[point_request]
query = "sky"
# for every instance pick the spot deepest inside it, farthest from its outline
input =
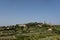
(24, 11)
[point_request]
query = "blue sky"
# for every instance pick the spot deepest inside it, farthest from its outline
(24, 11)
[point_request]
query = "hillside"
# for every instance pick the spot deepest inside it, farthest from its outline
(30, 31)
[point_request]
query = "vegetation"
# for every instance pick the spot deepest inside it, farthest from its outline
(30, 31)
